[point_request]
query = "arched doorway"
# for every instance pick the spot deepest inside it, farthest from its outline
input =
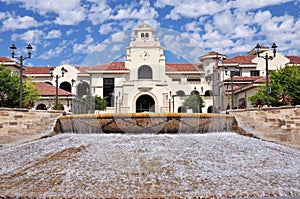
(210, 109)
(145, 103)
(182, 109)
(41, 107)
(83, 88)
(66, 86)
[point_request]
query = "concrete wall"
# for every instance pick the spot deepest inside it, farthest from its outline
(23, 125)
(280, 125)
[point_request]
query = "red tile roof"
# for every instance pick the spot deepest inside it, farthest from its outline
(294, 59)
(5, 59)
(240, 59)
(110, 66)
(212, 53)
(244, 79)
(48, 90)
(183, 67)
(37, 70)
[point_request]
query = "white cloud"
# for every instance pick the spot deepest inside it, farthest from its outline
(250, 4)
(67, 12)
(119, 37)
(53, 34)
(145, 12)
(52, 52)
(17, 22)
(88, 39)
(99, 12)
(243, 31)
(106, 28)
(30, 36)
(69, 32)
(116, 48)
(192, 9)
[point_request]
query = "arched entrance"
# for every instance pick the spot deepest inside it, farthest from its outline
(66, 86)
(41, 107)
(145, 103)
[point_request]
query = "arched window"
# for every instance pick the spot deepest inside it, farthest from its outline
(83, 88)
(147, 36)
(145, 72)
(180, 93)
(194, 92)
(142, 35)
(66, 86)
(208, 93)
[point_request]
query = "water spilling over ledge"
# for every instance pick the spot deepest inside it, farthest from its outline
(151, 123)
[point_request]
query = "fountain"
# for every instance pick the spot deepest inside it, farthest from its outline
(150, 123)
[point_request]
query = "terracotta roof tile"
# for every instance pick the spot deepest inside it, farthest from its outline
(244, 79)
(110, 66)
(213, 53)
(82, 69)
(5, 59)
(37, 70)
(48, 90)
(240, 59)
(183, 67)
(294, 59)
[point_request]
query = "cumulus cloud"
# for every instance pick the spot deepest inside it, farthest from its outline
(106, 26)
(99, 12)
(66, 12)
(30, 36)
(53, 52)
(53, 34)
(18, 22)
(118, 37)
(130, 11)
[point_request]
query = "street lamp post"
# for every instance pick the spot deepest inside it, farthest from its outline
(56, 85)
(21, 59)
(266, 57)
(232, 74)
(170, 102)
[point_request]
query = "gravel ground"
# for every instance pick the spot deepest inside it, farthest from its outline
(215, 165)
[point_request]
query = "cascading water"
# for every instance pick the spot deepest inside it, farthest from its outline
(139, 123)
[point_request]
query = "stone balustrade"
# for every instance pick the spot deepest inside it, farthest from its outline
(276, 124)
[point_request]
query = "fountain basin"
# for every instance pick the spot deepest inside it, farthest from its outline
(152, 123)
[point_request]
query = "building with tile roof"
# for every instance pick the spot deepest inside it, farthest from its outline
(145, 82)
(239, 77)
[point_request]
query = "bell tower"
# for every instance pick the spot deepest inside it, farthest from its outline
(145, 50)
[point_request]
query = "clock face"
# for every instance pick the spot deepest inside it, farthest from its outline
(145, 55)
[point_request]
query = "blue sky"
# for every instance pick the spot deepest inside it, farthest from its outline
(92, 32)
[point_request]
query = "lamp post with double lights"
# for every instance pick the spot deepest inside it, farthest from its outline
(13, 49)
(56, 83)
(267, 57)
(232, 74)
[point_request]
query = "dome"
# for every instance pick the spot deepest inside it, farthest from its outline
(144, 25)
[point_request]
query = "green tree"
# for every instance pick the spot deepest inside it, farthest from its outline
(92, 103)
(100, 103)
(10, 84)
(284, 87)
(194, 102)
(30, 92)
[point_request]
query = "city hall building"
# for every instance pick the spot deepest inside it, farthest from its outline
(146, 82)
